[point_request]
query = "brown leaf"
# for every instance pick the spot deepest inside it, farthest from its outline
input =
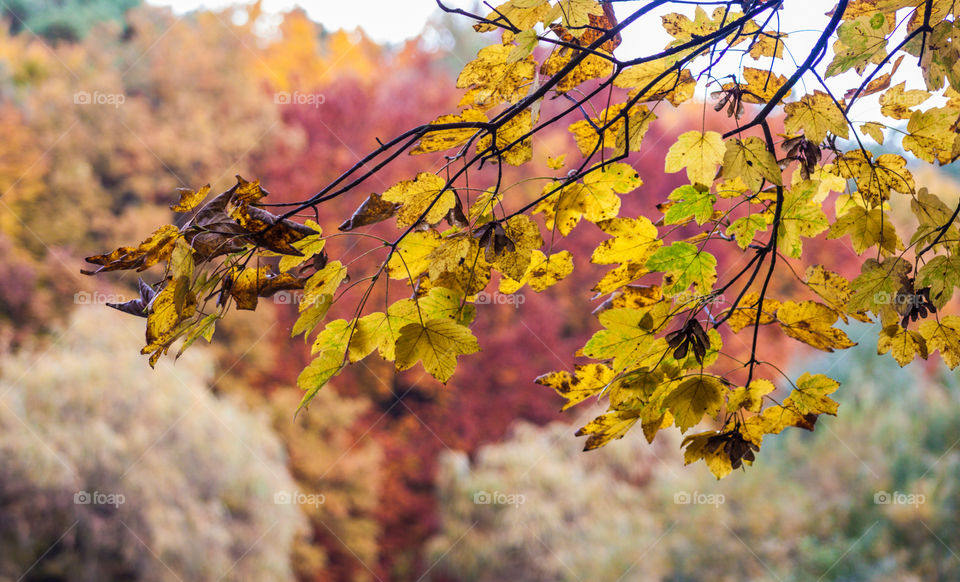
(373, 210)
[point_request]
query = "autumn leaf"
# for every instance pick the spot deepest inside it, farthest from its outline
(694, 398)
(811, 395)
(944, 336)
(812, 323)
(608, 427)
(373, 210)
(750, 160)
(189, 199)
(586, 381)
(815, 115)
(423, 198)
(330, 349)
(683, 264)
(866, 229)
(689, 201)
(542, 273)
(750, 397)
(436, 343)
(902, 344)
(699, 152)
(154, 249)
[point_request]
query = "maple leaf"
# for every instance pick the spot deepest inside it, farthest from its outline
(437, 343)
(694, 398)
(542, 273)
(658, 80)
(492, 80)
(683, 264)
(634, 240)
(932, 135)
(750, 160)
(520, 152)
(941, 274)
(423, 198)
(699, 152)
(750, 397)
(745, 314)
(815, 115)
(902, 344)
(944, 336)
(896, 102)
(189, 198)
(608, 427)
(689, 201)
(628, 338)
(330, 349)
(811, 395)
(812, 323)
(168, 316)
(157, 247)
(866, 229)
(744, 229)
(586, 381)
(800, 217)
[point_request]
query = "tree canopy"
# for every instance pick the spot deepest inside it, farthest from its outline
(781, 158)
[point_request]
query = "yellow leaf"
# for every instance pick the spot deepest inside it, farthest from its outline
(944, 336)
(520, 152)
(492, 80)
(811, 396)
(591, 67)
(437, 343)
(815, 115)
(543, 272)
(694, 398)
(331, 348)
(867, 228)
(746, 313)
(190, 198)
(156, 248)
(421, 197)
(700, 153)
(644, 79)
(585, 382)
(587, 135)
(760, 85)
(750, 397)
(634, 240)
(896, 102)
(903, 344)
(410, 259)
(812, 323)
(556, 163)
(608, 427)
(168, 318)
(446, 139)
(933, 136)
(750, 160)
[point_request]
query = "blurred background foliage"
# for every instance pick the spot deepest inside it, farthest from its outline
(200, 448)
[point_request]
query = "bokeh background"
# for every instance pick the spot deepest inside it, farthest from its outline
(198, 471)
